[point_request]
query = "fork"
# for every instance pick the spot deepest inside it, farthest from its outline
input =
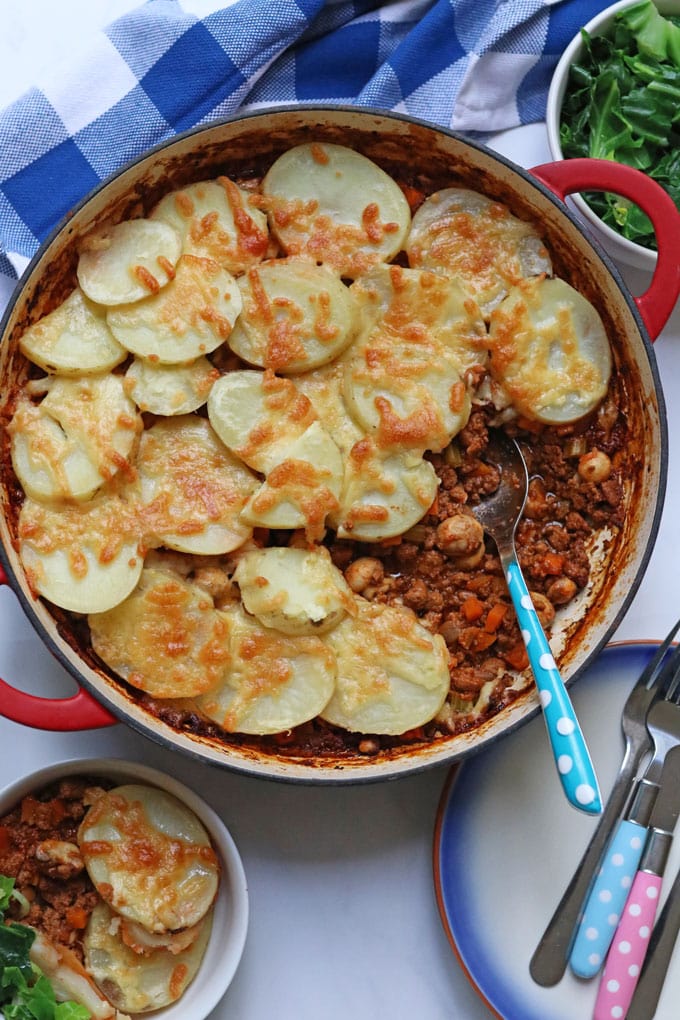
(608, 894)
(549, 961)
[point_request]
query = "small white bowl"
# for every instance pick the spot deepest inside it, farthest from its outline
(620, 248)
(230, 918)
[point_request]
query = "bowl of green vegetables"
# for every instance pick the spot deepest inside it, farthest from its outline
(615, 95)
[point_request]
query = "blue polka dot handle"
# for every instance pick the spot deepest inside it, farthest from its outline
(607, 899)
(574, 766)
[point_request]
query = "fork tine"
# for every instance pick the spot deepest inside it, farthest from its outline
(656, 669)
(670, 677)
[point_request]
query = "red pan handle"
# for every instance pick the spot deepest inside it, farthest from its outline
(79, 712)
(565, 178)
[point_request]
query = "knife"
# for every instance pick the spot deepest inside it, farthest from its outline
(631, 940)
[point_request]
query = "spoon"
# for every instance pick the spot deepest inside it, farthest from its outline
(499, 515)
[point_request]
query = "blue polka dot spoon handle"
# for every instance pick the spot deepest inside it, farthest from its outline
(574, 766)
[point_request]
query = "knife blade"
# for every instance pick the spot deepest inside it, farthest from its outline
(630, 943)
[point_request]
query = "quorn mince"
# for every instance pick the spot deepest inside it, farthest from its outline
(253, 434)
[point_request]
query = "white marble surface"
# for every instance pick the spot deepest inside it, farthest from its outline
(344, 918)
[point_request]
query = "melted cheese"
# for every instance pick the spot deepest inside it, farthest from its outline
(549, 351)
(403, 379)
(296, 591)
(78, 437)
(149, 857)
(84, 558)
(296, 316)
(393, 675)
(139, 983)
(166, 638)
(128, 262)
(276, 682)
(258, 416)
(73, 339)
(170, 389)
(218, 220)
(335, 206)
(191, 488)
(190, 317)
(467, 235)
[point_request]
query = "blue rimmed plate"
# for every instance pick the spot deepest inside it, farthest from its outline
(506, 844)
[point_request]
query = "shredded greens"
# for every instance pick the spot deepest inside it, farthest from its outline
(25, 992)
(623, 103)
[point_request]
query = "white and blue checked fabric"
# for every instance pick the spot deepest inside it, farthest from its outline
(476, 66)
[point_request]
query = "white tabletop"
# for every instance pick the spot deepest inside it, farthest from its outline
(343, 915)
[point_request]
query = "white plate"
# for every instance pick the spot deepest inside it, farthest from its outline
(507, 843)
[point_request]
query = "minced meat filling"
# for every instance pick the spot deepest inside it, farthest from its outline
(38, 848)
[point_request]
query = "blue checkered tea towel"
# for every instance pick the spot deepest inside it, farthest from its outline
(476, 66)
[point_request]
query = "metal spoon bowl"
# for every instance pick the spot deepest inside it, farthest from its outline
(499, 515)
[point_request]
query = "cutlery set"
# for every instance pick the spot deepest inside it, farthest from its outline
(606, 917)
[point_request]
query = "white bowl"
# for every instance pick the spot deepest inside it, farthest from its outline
(230, 918)
(618, 247)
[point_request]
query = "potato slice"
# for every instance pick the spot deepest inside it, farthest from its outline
(149, 857)
(550, 351)
(422, 307)
(144, 942)
(218, 220)
(403, 379)
(393, 675)
(296, 316)
(382, 495)
(296, 591)
(82, 557)
(463, 233)
(276, 682)
(190, 317)
(302, 489)
(324, 388)
(191, 487)
(78, 437)
(134, 983)
(128, 262)
(335, 206)
(73, 339)
(166, 638)
(170, 389)
(258, 415)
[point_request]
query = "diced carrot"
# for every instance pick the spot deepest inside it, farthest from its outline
(414, 196)
(494, 617)
(517, 657)
(4, 837)
(395, 540)
(434, 506)
(553, 563)
(472, 609)
(474, 639)
(76, 917)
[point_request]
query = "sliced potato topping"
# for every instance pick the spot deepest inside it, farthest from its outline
(128, 262)
(149, 857)
(393, 675)
(79, 436)
(74, 339)
(276, 681)
(192, 490)
(190, 317)
(258, 415)
(296, 591)
(137, 983)
(83, 557)
(218, 220)
(465, 234)
(549, 351)
(170, 389)
(303, 488)
(296, 316)
(335, 206)
(166, 638)
(383, 495)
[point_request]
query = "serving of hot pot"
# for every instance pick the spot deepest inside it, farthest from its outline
(424, 160)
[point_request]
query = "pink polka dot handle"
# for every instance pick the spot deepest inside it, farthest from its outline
(628, 950)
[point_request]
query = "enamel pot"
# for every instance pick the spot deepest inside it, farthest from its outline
(431, 158)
